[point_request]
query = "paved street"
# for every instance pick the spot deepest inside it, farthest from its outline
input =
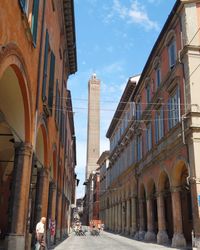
(106, 241)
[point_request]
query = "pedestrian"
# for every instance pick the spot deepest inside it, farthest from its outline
(40, 234)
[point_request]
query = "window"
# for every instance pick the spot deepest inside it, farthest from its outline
(138, 110)
(46, 50)
(51, 82)
(35, 20)
(158, 76)
(174, 108)
(148, 93)
(159, 124)
(148, 137)
(24, 5)
(57, 104)
(139, 147)
(132, 151)
(172, 53)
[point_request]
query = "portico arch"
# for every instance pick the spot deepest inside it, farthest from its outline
(182, 201)
(165, 218)
(15, 144)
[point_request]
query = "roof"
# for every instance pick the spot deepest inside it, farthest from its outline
(69, 19)
(121, 106)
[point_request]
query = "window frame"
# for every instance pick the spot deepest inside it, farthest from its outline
(148, 136)
(139, 147)
(174, 108)
(159, 124)
(172, 53)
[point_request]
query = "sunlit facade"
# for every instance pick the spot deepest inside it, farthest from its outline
(37, 137)
(153, 174)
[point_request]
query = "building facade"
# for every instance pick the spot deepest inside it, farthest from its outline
(103, 163)
(37, 137)
(153, 176)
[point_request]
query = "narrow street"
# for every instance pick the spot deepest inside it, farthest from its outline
(106, 241)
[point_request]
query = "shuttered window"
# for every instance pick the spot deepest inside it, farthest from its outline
(35, 20)
(159, 124)
(51, 82)
(23, 4)
(139, 147)
(46, 50)
(172, 53)
(148, 137)
(174, 108)
(57, 103)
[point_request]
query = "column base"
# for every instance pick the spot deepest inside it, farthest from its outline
(150, 236)
(15, 242)
(196, 243)
(162, 237)
(139, 235)
(127, 232)
(133, 232)
(178, 240)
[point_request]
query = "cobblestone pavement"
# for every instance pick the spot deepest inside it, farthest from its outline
(106, 241)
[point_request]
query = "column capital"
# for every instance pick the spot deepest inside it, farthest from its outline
(175, 189)
(23, 148)
(133, 196)
(160, 193)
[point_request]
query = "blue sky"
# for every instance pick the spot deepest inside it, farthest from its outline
(114, 39)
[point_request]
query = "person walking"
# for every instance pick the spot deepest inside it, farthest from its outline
(40, 234)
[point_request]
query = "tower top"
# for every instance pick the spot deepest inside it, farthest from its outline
(94, 76)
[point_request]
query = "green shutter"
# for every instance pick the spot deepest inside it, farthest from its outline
(23, 4)
(35, 20)
(51, 81)
(57, 102)
(45, 66)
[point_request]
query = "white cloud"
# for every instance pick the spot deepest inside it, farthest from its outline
(113, 68)
(154, 1)
(135, 13)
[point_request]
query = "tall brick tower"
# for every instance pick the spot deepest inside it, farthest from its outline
(93, 129)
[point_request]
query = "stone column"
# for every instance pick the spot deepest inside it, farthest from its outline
(162, 237)
(119, 217)
(178, 239)
(133, 216)
(110, 218)
(128, 217)
(20, 195)
(116, 217)
(123, 216)
(140, 235)
(150, 236)
(59, 211)
(53, 208)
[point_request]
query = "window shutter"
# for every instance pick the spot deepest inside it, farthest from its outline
(162, 122)
(51, 81)
(178, 118)
(156, 128)
(169, 114)
(57, 103)
(23, 5)
(45, 66)
(35, 20)
(150, 136)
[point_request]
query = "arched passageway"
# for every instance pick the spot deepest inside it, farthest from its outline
(15, 153)
(181, 202)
